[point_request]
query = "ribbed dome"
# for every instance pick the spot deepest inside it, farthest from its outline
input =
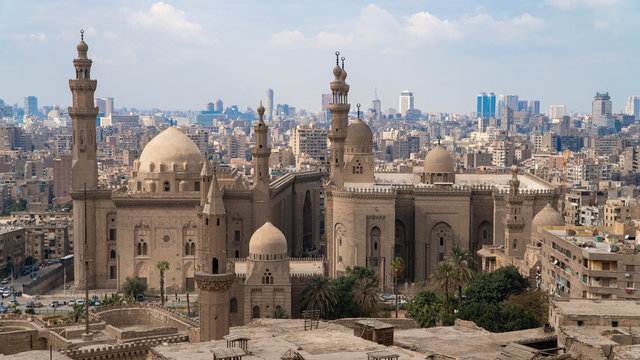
(268, 240)
(168, 148)
(548, 216)
(359, 135)
(438, 161)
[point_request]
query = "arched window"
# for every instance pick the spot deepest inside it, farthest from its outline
(214, 266)
(375, 238)
(237, 254)
(141, 248)
(233, 305)
(255, 314)
(167, 186)
(112, 254)
(144, 248)
(515, 243)
(193, 248)
(187, 248)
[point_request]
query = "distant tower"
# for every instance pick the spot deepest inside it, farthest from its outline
(30, 105)
(633, 107)
(218, 106)
(377, 106)
(269, 105)
(514, 242)
(261, 152)
(212, 278)
(339, 108)
(406, 102)
(84, 166)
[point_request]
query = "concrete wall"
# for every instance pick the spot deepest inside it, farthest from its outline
(50, 280)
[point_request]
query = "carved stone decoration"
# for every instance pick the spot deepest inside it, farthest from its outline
(214, 282)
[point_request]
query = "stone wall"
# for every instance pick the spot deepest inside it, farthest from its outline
(398, 323)
(130, 351)
(13, 342)
(50, 280)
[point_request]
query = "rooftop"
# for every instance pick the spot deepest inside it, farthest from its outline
(602, 307)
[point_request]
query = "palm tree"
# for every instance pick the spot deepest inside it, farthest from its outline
(188, 290)
(162, 266)
(78, 310)
(443, 276)
(397, 264)
(463, 273)
(365, 292)
(319, 294)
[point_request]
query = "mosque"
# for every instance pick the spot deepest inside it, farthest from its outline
(155, 217)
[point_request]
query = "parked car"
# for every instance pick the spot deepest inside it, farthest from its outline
(3, 309)
(54, 303)
(140, 297)
(36, 277)
(72, 301)
(80, 302)
(30, 305)
(35, 268)
(37, 304)
(4, 281)
(96, 303)
(6, 294)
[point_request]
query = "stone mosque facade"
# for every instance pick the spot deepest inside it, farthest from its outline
(371, 217)
(126, 231)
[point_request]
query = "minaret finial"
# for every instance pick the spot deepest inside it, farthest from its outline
(82, 35)
(358, 109)
(342, 58)
(337, 58)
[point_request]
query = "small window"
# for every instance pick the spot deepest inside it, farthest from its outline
(196, 186)
(218, 222)
(440, 256)
(167, 186)
(166, 238)
(112, 272)
(236, 235)
(237, 254)
(112, 234)
(233, 305)
(614, 324)
(214, 266)
(441, 241)
(112, 254)
(580, 322)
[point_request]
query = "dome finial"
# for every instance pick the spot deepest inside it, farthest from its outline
(342, 58)
(82, 35)
(261, 111)
(358, 110)
(337, 58)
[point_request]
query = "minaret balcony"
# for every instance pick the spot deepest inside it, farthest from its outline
(214, 282)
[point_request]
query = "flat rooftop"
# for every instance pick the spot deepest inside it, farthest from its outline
(595, 246)
(500, 181)
(271, 338)
(608, 307)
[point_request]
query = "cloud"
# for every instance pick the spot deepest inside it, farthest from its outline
(167, 19)
(425, 25)
(572, 4)
(37, 37)
(287, 38)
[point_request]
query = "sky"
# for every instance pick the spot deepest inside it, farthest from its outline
(180, 55)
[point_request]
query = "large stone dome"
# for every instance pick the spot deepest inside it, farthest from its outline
(359, 137)
(168, 149)
(438, 161)
(548, 216)
(268, 243)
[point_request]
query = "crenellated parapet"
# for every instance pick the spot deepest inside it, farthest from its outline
(134, 350)
(214, 282)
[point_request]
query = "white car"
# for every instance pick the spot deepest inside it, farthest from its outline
(6, 294)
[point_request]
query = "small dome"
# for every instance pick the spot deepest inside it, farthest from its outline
(438, 161)
(359, 135)
(267, 240)
(548, 216)
(343, 76)
(82, 47)
(261, 111)
(171, 147)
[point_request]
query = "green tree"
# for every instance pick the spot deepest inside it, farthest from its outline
(397, 264)
(424, 308)
(496, 286)
(78, 310)
(444, 276)
(132, 287)
(163, 266)
(280, 313)
(536, 301)
(319, 294)
(343, 285)
(365, 295)
(462, 268)
(29, 260)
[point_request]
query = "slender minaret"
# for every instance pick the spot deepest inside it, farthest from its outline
(339, 108)
(84, 167)
(261, 152)
(205, 181)
(212, 277)
(514, 244)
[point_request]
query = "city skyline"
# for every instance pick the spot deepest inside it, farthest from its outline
(180, 56)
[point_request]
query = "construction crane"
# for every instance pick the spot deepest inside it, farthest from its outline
(567, 153)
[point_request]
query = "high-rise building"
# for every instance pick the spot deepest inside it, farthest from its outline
(633, 107)
(557, 111)
(376, 105)
(326, 100)
(269, 105)
(105, 106)
(534, 106)
(601, 111)
(62, 176)
(30, 105)
(309, 140)
(486, 105)
(406, 102)
(522, 105)
(210, 107)
(217, 106)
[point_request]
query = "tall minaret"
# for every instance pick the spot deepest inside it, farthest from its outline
(514, 242)
(212, 277)
(261, 152)
(84, 167)
(339, 108)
